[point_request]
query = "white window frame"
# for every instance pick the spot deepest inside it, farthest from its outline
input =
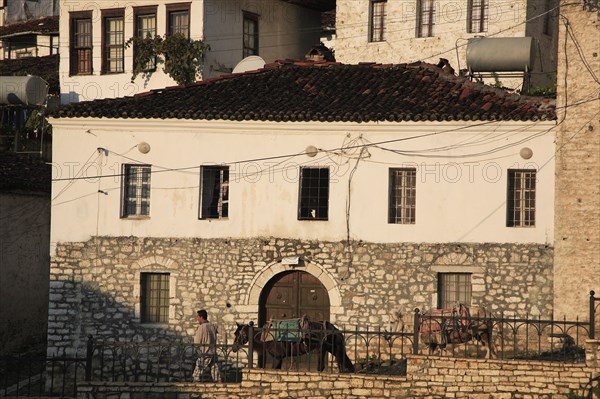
(136, 191)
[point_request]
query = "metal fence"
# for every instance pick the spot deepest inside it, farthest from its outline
(594, 309)
(31, 375)
(370, 350)
(157, 362)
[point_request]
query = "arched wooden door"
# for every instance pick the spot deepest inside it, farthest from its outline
(294, 294)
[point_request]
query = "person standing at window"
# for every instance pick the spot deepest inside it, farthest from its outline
(206, 338)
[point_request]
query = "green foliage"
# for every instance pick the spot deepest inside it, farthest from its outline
(543, 91)
(573, 395)
(181, 56)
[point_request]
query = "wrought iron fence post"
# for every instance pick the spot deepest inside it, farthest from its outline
(88, 358)
(250, 346)
(592, 315)
(416, 329)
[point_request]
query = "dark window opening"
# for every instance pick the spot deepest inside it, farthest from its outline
(314, 194)
(250, 34)
(215, 192)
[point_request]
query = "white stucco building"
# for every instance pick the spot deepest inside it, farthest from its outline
(94, 67)
(359, 189)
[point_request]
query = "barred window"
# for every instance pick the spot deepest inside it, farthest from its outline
(215, 192)
(403, 191)
(453, 288)
(314, 194)
(250, 34)
(477, 16)
(114, 44)
(81, 44)
(520, 202)
(425, 18)
(377, 22)
(154, 297)
(136, 190)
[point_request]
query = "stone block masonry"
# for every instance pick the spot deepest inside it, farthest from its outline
(577, 199)
(428, 378)
(95, 285)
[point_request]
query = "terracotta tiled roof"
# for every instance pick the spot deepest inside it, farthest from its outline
(44, 67)
(326, 92)
(23, 172)
(43, 25)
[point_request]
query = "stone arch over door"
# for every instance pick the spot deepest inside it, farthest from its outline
(262, 278)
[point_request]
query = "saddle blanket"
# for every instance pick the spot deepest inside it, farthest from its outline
(289, 330)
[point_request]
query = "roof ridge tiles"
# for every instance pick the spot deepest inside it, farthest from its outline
(294, 91)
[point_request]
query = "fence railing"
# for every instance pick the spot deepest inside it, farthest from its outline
(593, 311)
(30, 375)
(370, 350)
(528, 338)
(157, 362)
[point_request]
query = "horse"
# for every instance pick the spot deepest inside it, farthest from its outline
(442, 327)
(322, 336)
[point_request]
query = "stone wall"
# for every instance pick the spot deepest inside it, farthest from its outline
(94, 287)
(577, 201)
(428, 377)
(513, 19)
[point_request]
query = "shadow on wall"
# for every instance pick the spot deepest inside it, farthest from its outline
(79, 310)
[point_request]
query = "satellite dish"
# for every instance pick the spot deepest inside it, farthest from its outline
(250, 63)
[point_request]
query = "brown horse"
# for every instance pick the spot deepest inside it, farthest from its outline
(321, 336)
(442, 327)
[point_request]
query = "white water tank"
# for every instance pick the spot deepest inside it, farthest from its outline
(23, 90)
(500, 54)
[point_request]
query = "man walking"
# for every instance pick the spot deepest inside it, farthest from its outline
(206, 338)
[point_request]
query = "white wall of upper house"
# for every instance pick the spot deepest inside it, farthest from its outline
(450, 34)
(461, 190)
(285, 31)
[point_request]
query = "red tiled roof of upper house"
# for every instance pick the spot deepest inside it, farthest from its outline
(24, 172)
(325, 92)
(39, 25)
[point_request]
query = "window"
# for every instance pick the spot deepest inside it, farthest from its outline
(178, 19)
(425, 18)
(314, 194)
(154, 297)
(377, 23)
(520, 202)
(215, 192)
(81, 44)
(145, 26)
(477, 16)
(453, 288)
(136, 190)
(250, 34)
(402, 202)
(113, 49)
(548, 18)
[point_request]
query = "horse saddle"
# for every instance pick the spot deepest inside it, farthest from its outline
(445, 320)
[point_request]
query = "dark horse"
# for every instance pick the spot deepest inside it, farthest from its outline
(321, 336)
